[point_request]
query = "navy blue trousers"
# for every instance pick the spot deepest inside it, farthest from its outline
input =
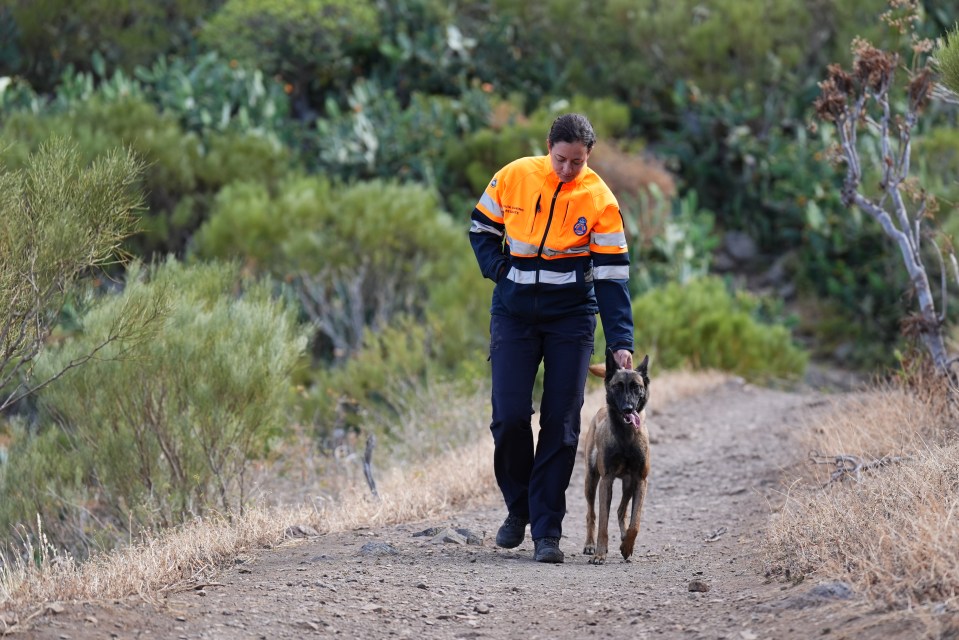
(534, 482)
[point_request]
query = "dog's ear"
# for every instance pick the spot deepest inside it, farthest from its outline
(643, 369)
(611, 365)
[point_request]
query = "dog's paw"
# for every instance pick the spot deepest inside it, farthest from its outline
(628, 543)
(599, 558)
(589, 550)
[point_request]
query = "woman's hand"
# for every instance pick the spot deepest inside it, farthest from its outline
(623, 358)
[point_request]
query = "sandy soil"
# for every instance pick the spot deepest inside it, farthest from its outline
(697, 573)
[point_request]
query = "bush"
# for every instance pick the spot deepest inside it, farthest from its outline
(210, 92)
(387, 367)
(60, 220)
(160, 428)
(422, 49)
(935, 158)
(458, 309)
(673, 243)
(356, 256)
(377, 137)
(183, 169)
(56, 35)
(314, 45)
(703, 326)
(204, 94)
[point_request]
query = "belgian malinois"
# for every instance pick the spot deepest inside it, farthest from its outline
(617, 446)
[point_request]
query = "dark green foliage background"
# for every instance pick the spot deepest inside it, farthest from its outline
(303, 140)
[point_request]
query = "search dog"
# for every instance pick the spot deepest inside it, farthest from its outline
(617, 446)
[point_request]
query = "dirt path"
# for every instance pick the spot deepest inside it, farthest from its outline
(715, 476)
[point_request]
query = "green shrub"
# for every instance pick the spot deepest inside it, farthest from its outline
(638, 49)
(98, 125)
(517, 50)
(680, 250)
(377, 389)
(935, 161)
(314, 45)
(845, 260)
(458, 308)
(319, 225)
(204, 94)
(422, 48)
(61, 219)
(376, 137)
(55, 35)
(386, 368)
(182, 169)
(17, 95)
(703, 326)
(234, 156)
(162, 427)
(211, 92)
(355, 255)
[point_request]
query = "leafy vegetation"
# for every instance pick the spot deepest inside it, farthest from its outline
(161, 428)
(58, 220)
(704, 326)
(313, 45)
(333, 150)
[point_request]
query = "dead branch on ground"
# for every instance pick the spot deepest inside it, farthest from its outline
(850, 466)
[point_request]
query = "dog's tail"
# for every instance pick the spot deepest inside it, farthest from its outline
(598, 370)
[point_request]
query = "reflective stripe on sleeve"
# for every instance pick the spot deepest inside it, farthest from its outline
(612, 272)
(547, 277)
(617, 240)
(478, 227)
(491, 205)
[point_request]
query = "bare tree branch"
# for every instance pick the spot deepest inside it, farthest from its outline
(846, 100)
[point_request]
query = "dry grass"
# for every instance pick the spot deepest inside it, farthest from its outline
(895, 532)
(430, 488)
(195, 551)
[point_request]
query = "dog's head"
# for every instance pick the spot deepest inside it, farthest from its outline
(627, 390)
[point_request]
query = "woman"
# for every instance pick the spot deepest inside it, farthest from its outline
(549, 232)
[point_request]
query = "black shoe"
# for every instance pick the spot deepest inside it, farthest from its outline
(547, 550)
(512, 532)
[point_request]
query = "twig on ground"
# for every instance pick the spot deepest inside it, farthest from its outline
(368, 464)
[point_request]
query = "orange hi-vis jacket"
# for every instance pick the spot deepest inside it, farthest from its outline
(554, 249)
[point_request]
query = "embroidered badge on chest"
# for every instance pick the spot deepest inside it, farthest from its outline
(580, 227)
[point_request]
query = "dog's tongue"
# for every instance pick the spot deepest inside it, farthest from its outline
(634, 419)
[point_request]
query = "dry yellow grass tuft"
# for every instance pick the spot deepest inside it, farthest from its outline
(893, 532)
(197, 549)
(412, 491)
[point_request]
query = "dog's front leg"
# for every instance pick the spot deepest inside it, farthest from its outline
(592, 480)
(629, 486)
(629, 540)
(602, 537)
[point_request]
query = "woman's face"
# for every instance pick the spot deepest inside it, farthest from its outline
(568, 158)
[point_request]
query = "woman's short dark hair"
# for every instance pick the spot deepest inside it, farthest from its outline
(572, 127)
